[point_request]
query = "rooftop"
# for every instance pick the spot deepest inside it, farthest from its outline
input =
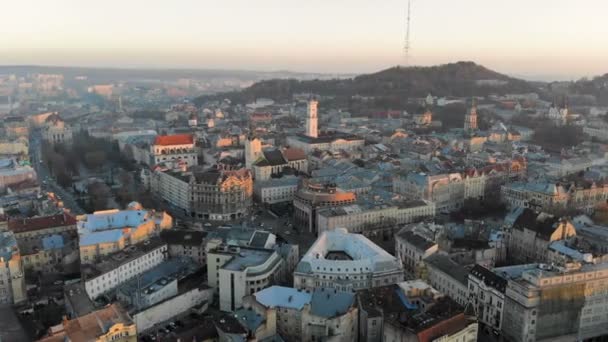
(158, 277)
(366, 256)
(112, 261)
(283, 297)
(414, 239)
(183, 237)
(113, 219)
(489, 278)
(37, 223)
(245, 257)
(327, 137)
(448, 266)
(94, 324)
(176, 139)
(330, 302)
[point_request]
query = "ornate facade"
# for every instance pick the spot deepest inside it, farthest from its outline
(221, 195)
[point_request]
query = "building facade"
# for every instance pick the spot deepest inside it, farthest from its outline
(12, 277)
(368, 219)
(545, 303)
(314, 196)
(240, 271)
(346, 262)
(221, 195)
(173, 148)
(411, 249)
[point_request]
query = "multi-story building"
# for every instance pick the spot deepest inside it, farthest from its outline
(447, 276)
(18, 148)
(46, 241)
(272, 162)
(546, 303)
(112, 323)
(312, 197)
(240, 271)
(12, 278)
(548, 196)
(445, 190)
(109, 231)
(277, 190)
(173, 186)
(221, 195)
(114, 269)
(412, 249)
(172, 148)
(320, 315)
(346, 262)
(55, 130)
(449, 190)
(12, 174)
(412, 311)
(487, 296)
(533, 233)
(360, 218)
(186, 243)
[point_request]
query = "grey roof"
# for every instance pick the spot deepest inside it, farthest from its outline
(250, 319)
(248, 257)
(416, 240)
(448, 266)
(274, 157)
(183, 237)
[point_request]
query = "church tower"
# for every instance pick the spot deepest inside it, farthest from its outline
(253, 150)
(470, 119)
(312, 119)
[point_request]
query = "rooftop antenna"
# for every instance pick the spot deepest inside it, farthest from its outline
(407, 34)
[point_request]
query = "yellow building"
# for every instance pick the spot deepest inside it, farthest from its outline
(110, 324)
(109, 231)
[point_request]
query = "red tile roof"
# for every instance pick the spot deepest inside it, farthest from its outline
(37, 223)
(176, 139)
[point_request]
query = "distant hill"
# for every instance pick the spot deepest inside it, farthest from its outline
(597, 86)
(392, 86)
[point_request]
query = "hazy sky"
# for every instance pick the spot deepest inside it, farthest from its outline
(532, 38)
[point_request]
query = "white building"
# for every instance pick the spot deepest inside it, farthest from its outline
(312, 119)
(115, 269)
(487, 296)
(412, 249)
(357, 218)
(276, 190)
(240, 271)
(448, 277)
(174, 147)
(346, 262)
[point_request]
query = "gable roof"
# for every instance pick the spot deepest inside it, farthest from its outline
(38, 223)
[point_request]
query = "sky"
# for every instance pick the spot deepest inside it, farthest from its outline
(535, 39)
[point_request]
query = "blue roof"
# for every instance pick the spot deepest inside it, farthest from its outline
(284, 297)
(408, 305)
(100, 237)
(330, 303)
(249, 318)
(52, 242)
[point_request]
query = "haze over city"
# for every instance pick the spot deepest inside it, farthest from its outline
(539, 39)
(303, 171)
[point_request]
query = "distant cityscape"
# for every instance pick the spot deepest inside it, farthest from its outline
(441, 204)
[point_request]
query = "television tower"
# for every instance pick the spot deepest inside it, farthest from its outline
(407, 33)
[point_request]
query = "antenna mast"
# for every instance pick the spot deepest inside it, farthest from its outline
(407, 34)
